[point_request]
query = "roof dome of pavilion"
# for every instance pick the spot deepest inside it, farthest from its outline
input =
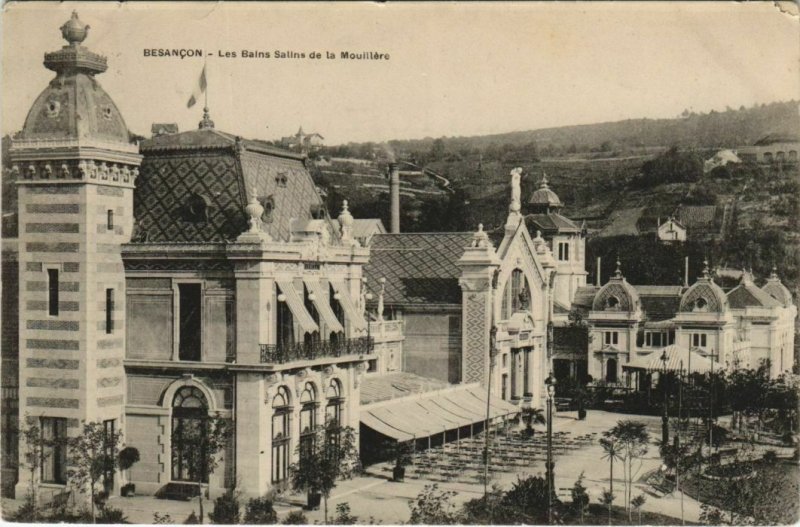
(74, 107)
(544, 197)
(617, 295)
(777, 290)
(704, 296)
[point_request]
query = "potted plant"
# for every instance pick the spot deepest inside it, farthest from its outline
(128, 456)
(532, 416)
(581, 398)
(402, 459)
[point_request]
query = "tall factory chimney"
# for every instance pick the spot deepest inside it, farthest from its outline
(394, 197)
(597, 277)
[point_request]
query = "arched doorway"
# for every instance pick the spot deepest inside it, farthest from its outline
(189, 428)
(611, 370)
(308, 419)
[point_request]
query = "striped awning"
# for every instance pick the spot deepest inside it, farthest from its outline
(354, 316)
(297, 306)
(323, 307)
(418, 417)
(678, 359)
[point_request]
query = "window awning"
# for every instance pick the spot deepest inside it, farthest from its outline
(323, 307)
(419, 417)
(678, 359)
(354, 316)
(297, 307)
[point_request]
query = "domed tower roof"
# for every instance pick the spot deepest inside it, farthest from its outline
(74, 107)
(704, 296)
(777, 290)
(617, 295)
(544, 199)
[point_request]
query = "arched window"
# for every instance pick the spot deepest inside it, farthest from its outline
(333, 410)
(281, 434)
(333, 413)
(189, 427)
(338, 310)
(768, 157)
(308, 419)
(285, 322)
(612, 302)
(611, 370)
(701, 304)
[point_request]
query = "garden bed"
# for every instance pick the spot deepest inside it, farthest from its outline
(730, 472)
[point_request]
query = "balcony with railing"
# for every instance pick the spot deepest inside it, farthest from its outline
(284, 353)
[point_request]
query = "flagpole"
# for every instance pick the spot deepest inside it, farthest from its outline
(205, 68)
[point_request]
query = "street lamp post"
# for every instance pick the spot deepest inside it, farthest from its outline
(550, 382)
(664, 418)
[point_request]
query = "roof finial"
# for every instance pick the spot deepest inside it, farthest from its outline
(774, 274)
(254, 210)
(618, 272)
(544, 180)
(706, 273)
(74, 31)
(206, 123)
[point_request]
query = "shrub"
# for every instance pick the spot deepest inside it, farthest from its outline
(109, 514)
(295, 518)
(226, 508)
(162, 519)
(343, 516)
(260, 511)
(192, 519)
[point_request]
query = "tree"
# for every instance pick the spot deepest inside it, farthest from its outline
(532, 416)
(611, 450)
(633, 438)
(92, 458)
(128, 457)
(434, 507)
(580, 498)
(331, 454)
(607, 498)
(530, 495)
(209, 438)
(35, 454)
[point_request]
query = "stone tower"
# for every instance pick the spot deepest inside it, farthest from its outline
(76, 166)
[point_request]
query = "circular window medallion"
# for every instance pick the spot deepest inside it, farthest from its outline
(53, 108)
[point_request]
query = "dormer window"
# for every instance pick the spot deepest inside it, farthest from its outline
(701, 304)
(281, 179)
(268, 202)
(196, 208)
(612, 303)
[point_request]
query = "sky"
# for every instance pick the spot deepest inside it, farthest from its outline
(453, 69)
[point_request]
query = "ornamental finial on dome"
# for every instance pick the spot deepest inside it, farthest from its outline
(206, 123)
(774, 274)
(544, 180)
(74, 31)
(706, 272)
(618, 272)
(480, 238)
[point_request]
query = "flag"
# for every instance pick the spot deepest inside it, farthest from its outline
(201, 88)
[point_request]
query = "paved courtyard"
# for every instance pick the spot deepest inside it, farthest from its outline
(375, 496)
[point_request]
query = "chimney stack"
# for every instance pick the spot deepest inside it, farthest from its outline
(597, 278)
(686, 272)
(394, 197)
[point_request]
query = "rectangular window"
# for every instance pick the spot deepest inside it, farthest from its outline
(648, 339)
(52, 291)
(189, 304)
(563, 251)
(110, 220)
(699, 340)
(611, 337)
(54, 449)
(109, 311)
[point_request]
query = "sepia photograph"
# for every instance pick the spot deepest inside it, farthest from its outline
(446, 263)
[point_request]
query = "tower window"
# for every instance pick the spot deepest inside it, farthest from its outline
(53, 460)
(110, 220)
(611, 337)
(109, 311)
(563, 251)
(52, 291)
(189, 329)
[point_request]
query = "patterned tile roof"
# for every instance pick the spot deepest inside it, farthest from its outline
(659, 302)
(549, 223)
(697, 217)
(748, 295)
(221, 172)
(419, 268)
